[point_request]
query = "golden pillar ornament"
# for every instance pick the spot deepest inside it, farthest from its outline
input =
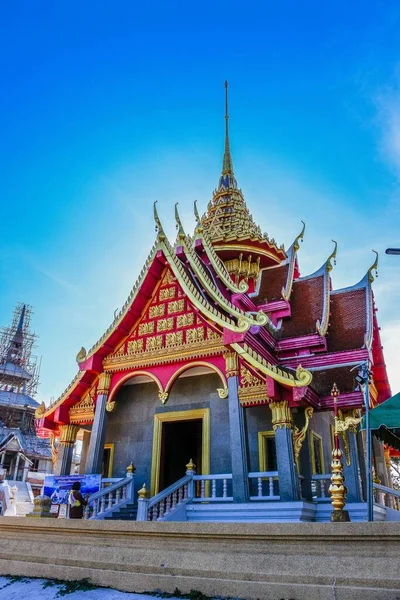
(337, 489)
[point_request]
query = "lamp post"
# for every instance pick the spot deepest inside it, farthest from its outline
(363, 379)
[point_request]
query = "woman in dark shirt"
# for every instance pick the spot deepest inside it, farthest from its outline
(76, 512)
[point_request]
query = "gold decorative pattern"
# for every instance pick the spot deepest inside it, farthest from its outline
(337, 489)
(185, 320)
(163, 396)
(245, 269)
(222, 393)
(167, 293)
(176, 306)
(247, 378)
(84, 410)
(195, 335)
(68, 434)
(165, 324)
(174, 339)
(300, 434)
(254, 359)
(104, 383)
(135, 346)
(168, 278)
(154, 343)
(231, 364)
(158, 310)
(281, 415)
(145, 328)
(54, 448)
(175, 352)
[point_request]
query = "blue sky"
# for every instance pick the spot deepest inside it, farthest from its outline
(106, 107)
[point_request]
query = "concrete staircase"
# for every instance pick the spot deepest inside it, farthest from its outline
(127, 513)
(23, 502)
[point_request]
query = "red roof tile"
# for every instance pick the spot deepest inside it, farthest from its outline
(271, 284)
(307, 305)
(323, 380)
(348, 320)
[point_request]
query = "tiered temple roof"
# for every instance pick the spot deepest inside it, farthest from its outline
(296, 334)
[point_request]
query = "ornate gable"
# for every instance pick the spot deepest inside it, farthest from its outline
(169, 329)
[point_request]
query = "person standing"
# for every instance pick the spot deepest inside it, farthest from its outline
(76, 502)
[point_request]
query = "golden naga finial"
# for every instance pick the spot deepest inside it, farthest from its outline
(81, 355)
(374, 267)
(190, 466)
(199, 227)
(331, 257)
(40, 410)
(300, 237)
(179, 226)
(160, 231)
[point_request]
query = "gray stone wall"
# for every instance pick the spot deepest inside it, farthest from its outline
(130, 425)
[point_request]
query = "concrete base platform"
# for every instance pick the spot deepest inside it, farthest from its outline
(301, 561)
(261, 512)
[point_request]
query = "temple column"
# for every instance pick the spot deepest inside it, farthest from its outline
(3, 457)
(97, 438)
(240, 469)
(65, 451)
(16, 466)
(84, 451)
(351, 472)
(282, 421)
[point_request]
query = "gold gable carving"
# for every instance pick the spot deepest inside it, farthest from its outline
(84, 410)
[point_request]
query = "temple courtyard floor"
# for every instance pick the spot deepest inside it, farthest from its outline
(264, 561)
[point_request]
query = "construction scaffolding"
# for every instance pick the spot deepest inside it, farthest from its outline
(19, 366)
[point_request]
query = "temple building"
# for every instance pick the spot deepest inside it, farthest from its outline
(21, 450)
(224, 357)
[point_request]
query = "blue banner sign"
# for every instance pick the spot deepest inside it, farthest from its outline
(57, 487)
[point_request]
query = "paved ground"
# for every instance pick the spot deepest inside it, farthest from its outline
(42, 589)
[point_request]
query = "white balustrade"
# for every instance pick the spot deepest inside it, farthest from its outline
(164, 504)
(267, 483)
(219, 488)
(114, 495)
(386, 496)
(320, 487)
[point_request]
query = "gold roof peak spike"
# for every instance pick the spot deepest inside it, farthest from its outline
(159, 228)
(332, 257)
(179, 226)
(373, 267)
(300, 237)
(199, 227)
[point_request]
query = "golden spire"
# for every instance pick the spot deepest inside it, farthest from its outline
(227, 167)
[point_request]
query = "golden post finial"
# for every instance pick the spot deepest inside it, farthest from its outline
(142, 493)
(190, 466)
(374, 267)
(181, 232)
(160, 231)
(337, 489)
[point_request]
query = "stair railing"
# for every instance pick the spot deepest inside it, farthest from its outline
(320, 487)
(163, 505)
(387, 496)
(109, 499)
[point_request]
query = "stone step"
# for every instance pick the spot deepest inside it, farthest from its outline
(127, 513)
(263, 512)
